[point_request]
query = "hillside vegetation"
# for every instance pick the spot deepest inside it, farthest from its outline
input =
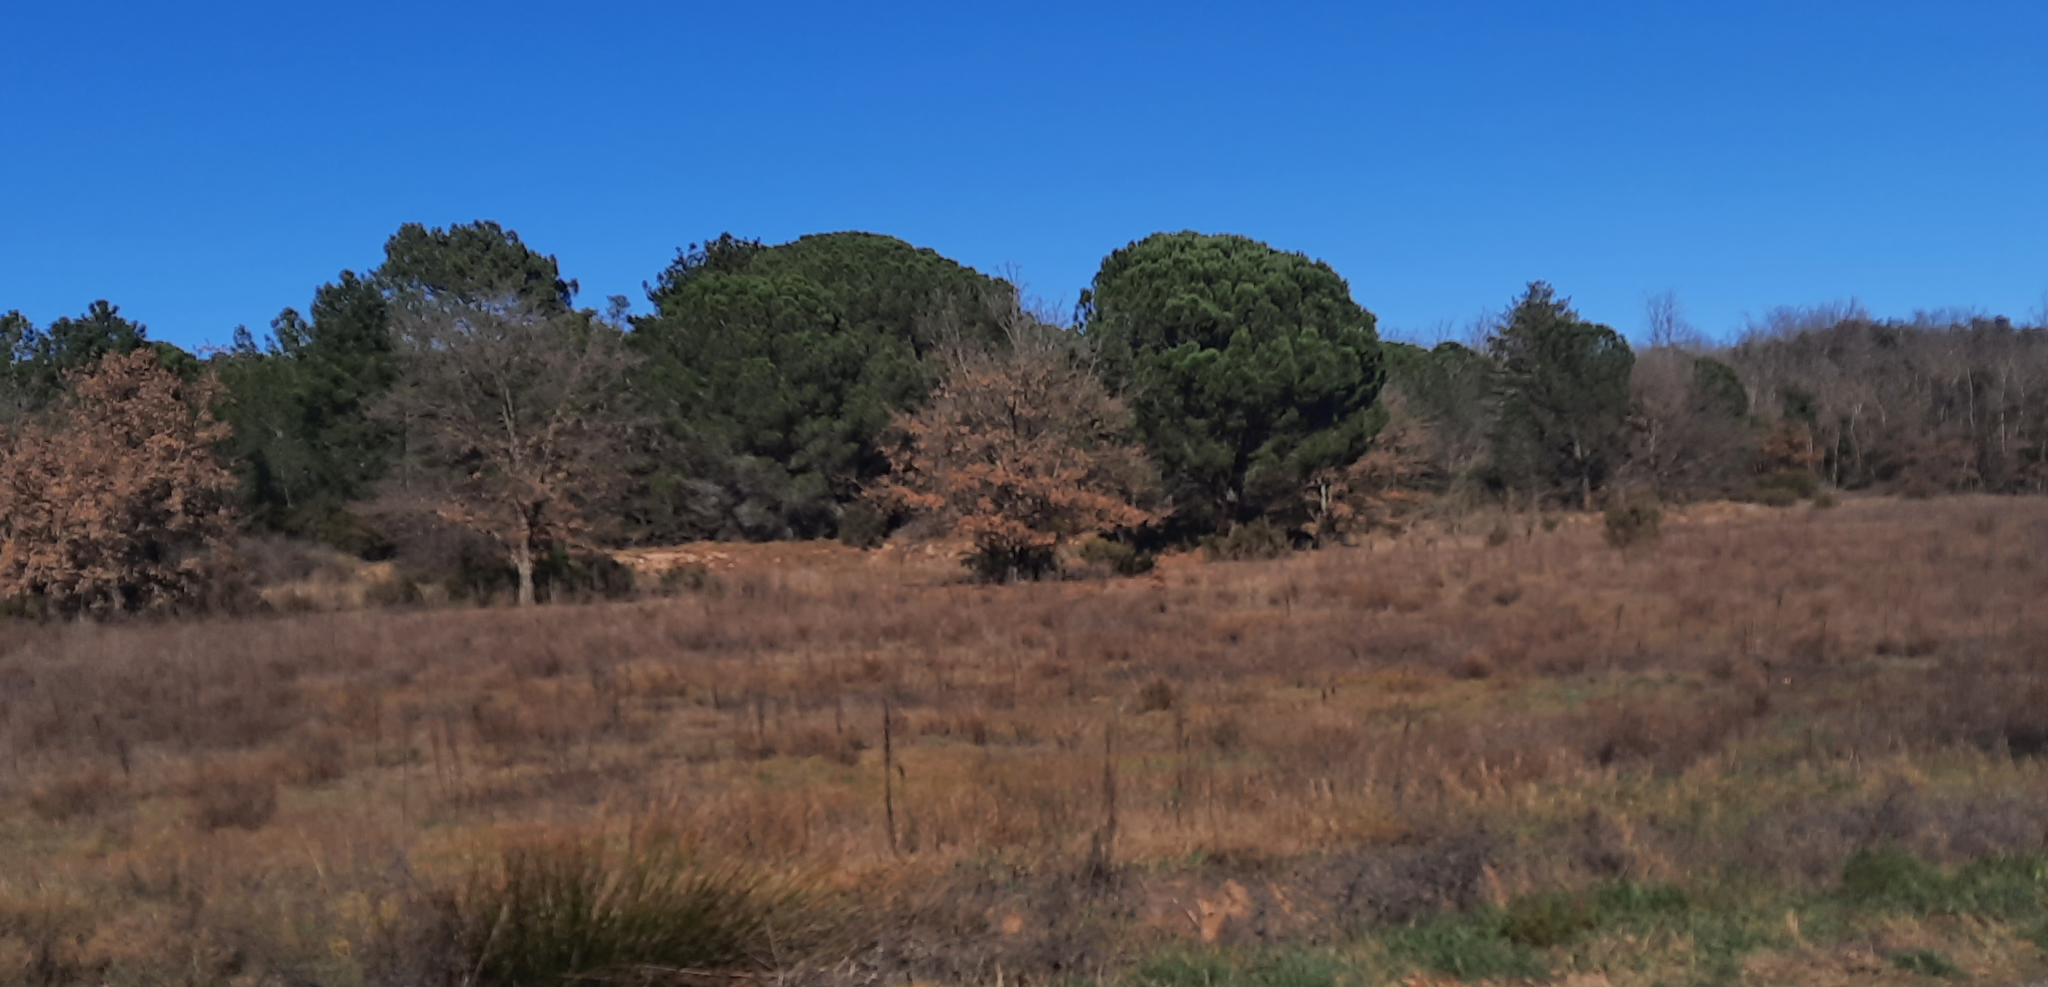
(452, 412)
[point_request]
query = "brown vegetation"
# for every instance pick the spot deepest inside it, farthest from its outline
(1019, 451)
(119, 504)
(967, 783)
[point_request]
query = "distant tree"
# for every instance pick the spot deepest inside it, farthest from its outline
(1944, 401)
(512, 420)
(1563, 393)
(1374, 489)
(727, 254)
(120, 505)
(1447, 407)
(304, 444)
(776, 369)
(17, 341)
(1690, 432)
(43, 359)
(1667, 323)
(1248, 368)
(477, 262)
(71, 344)
(1020, 450)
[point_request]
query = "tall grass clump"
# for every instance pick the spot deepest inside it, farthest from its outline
(1634, 522)
(565, 909)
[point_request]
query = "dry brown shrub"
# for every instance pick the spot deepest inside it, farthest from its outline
(1019, 452)
(1156, 695)
(123, 506)
(1669, 737)
(316, 756)
(239, 794)
(71, 795)
(1473, 665)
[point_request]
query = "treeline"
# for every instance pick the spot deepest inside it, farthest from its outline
(455, 409)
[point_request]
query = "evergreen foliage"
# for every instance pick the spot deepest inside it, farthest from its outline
(1563, 392)
(1248, 368)
(777, 369)
(304, 444)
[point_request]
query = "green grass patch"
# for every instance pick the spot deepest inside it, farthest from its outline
(1470, 947)
(1929, 963)
(1279, 968)
(1183, 970)
(1716, 924)
(2013, 887)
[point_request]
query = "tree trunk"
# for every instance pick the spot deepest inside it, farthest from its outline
(522, 559)
(1586, 489)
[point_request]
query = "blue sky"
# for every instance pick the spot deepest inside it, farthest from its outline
(206, 164)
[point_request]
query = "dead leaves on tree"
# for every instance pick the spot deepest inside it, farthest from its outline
(119, 503)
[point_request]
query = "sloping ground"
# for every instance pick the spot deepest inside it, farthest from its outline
(1777, 746)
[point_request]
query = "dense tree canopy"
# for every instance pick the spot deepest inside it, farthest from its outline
(40, 360)
(475, 262)
(1941, 402)
(1248, 368)
(1448, 390)
(304, 445)
(1257, 384)
(1563, 391)
(777, 368)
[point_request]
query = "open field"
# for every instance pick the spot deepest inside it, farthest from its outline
(1481, 751)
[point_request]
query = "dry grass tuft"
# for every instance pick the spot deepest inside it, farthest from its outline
(64, 797)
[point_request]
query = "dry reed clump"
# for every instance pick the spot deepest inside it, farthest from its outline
(546, 909)
(892, 727)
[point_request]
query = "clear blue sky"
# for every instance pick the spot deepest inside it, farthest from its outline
(205, 164)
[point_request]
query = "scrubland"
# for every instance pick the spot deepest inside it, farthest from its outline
(1794, 745)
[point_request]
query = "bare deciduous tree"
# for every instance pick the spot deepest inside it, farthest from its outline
(1668, 326)
(512, 420)
(1690, 436)
(119, 504)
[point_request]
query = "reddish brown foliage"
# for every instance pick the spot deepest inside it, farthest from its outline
(1372, 491)
(1020, 451)
(120, 505)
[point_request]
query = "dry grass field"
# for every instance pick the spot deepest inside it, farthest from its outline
(1803, 746)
